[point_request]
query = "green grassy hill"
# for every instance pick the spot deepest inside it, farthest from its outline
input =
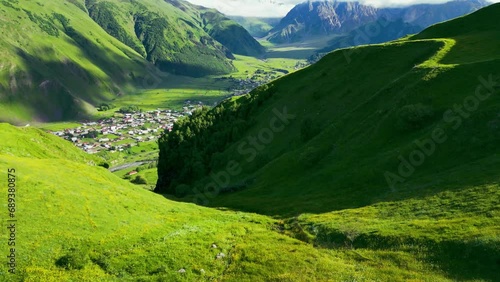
(230, 34)
(29, 142)
(56, 61)
(166, 33)
(79, 222)
(59, 59)
(378, 163)
(386, 147)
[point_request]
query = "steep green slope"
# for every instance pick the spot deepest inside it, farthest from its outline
(401, 102)
(230, 34)
(226, 31)
(55, 61)
(392, 146)
(165, 32)
(470, 34)
(77, 222)
(29, 142)
(175, 35)
(59, 59)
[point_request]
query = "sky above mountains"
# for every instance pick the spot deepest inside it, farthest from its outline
(279, 8)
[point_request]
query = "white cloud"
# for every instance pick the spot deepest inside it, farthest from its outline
(256, 8)
(395, 3)
(279, 8)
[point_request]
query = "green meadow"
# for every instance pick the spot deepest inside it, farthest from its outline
(80, 222)
(378, 163)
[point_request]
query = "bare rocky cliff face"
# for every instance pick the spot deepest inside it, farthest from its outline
(311, 19)
(321, 18)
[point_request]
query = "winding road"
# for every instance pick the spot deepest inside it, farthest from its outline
(129, 165)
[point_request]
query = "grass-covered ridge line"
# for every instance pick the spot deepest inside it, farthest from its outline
(226, 31)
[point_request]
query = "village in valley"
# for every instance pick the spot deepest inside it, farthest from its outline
(132, 127)
(125, 130)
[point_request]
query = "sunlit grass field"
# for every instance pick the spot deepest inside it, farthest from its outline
(317, 208)
(80, 222)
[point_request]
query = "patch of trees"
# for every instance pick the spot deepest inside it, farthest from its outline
(9, 4)
(139, 180)
(102, 14)
(129, 109)
(92, 134)
(282, 71)
(61, 18)
(72, 32)
(75, 259)
(104, 165)
(44, 23)
(190, 151)
(105, 107)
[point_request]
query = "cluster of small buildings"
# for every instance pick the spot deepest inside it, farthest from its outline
(119, 133)
(259, 77)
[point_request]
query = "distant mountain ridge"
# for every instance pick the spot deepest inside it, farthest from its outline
(336, 17)
(257, 27)
(391, 30)
(232, 35)
(321, 18)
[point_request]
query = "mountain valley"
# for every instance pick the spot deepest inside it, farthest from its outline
(159, 140)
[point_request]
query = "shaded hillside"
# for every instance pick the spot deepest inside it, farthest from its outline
(389, 146)
(165, 33)
(105, 229)
(230, 34)
(394, 90)
(389, 30)
(56, 62)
